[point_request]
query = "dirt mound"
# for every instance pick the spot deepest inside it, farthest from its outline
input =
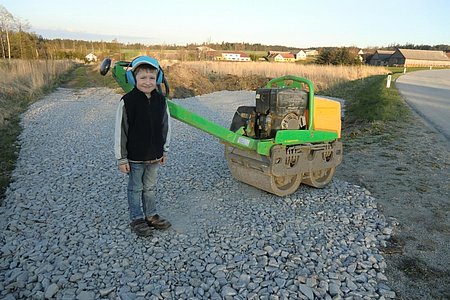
(186, 82)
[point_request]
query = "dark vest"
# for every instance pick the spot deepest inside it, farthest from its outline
(145, 125)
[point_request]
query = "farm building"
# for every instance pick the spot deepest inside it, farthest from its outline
(381, 57)
(418, 58)
(311, 52)
(281, 57)
(233, 56)
(300, 55)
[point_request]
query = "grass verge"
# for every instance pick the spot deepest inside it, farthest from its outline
(368, 100)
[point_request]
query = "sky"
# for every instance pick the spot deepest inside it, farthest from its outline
(300, 23)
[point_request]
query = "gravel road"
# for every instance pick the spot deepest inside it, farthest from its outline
(65, 231)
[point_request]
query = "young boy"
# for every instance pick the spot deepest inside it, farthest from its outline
(142, 136)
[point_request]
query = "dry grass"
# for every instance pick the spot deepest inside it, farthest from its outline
(24, 79)
(323, 76)
(26, 76)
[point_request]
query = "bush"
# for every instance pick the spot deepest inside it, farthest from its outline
(337, 56)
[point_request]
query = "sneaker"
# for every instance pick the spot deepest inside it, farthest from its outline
(157, 222)
(140, 227)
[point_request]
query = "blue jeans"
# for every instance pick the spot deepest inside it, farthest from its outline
(142, 190)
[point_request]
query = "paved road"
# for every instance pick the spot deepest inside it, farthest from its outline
(428, 92)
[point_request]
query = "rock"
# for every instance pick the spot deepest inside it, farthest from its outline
(228, 291)
(51, 291)
(306, 290)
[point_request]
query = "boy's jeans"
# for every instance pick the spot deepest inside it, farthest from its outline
(142, 190)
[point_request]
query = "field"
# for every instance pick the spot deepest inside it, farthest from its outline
(323, 76)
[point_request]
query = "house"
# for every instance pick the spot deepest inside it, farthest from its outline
(361, 55)
(300, 55)
(204, 49)
(91, 57)
(311, 52)
(381, 57)
(281, 57)
(276, 52)
(233, 56)
(418, 58)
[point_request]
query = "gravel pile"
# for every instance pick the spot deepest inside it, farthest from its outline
(64, 222)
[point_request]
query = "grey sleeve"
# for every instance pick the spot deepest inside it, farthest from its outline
(120, 134)
(166, 129)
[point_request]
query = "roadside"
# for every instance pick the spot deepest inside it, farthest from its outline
(405, 165)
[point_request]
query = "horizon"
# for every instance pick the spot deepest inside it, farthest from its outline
(311, 25)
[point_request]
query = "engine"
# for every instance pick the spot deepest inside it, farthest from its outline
(276, 109)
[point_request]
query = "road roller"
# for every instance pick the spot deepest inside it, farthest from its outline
(289, 137)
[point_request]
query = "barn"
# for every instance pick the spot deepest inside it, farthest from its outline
(418, 58)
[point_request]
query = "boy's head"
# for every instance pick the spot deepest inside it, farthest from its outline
(147, 60)
(146, 72)
(145, 76)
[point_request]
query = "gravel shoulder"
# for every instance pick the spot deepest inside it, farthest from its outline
(64, 222)
(406, 165)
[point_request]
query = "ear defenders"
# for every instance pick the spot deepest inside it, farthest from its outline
(141, 60)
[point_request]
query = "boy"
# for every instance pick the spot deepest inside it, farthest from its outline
(142, 136)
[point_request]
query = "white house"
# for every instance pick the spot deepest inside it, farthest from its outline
(91, 57)
(234, 56)
(300, 55)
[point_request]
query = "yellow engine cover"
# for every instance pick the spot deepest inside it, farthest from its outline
(327, 115)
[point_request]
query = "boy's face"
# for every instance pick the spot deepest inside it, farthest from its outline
(146, 80)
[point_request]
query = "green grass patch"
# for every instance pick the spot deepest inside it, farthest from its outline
(85, 76)
(368, 100)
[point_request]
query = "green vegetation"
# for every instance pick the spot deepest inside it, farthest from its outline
(84, 76)
(368, 100)
(338, 56)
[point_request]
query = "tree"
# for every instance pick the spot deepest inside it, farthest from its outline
(337, 56)
(7, 23)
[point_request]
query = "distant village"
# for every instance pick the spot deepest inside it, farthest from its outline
(398, 57)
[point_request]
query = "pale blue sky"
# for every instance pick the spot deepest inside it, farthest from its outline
(301, 23)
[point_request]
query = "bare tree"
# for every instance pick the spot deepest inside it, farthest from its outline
(22, 26)
(7, 24)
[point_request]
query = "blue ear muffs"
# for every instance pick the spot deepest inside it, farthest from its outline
(144, 60)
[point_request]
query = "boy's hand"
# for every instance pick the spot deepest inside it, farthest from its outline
(163, 160)
(124, 168)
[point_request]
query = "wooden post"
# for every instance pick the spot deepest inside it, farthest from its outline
(388, 83)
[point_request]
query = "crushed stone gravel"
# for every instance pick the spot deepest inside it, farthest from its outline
(64, 222)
